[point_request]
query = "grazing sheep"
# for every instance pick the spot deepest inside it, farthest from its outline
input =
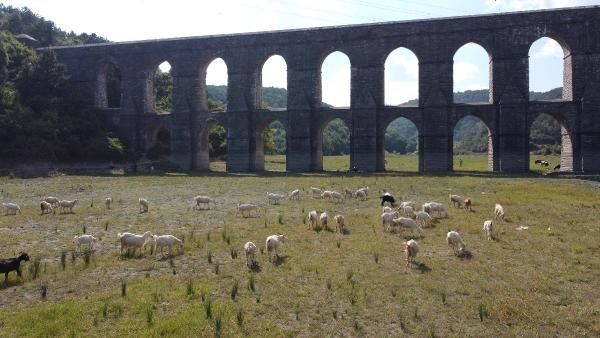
(324, 218)
(361, 195)
(488, 229)
(272, 244)
(411, 248)
(85, 239)
(499, 211)
(295, 194)
(250, 250)
(387, 218)
(52, 200)
(12, 264)
(316, 192)
(12, 207)
(336, 196)
(46, 208)
(404, 222)
(455, 242)
(169, 241)
(326, 194)
(456, 200)
(313, 216)
(204, 201)
(423, 218)
(434, 206)
(274, 198)
(66, 204)
(468, 204)
(107, 203)
(406, 210)
(339, 223)
(143, 205)
(387, 209)
(407, 204)
(387, 197)
(246, 209)
(348, 192)
(129, 240)
(365, 190)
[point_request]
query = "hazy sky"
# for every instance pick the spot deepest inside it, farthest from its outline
(127, 20)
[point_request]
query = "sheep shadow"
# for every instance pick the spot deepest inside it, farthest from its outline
(423, 268)
(167, 256)
(280, 260)
(464, 255)
(11, 283)
(255, 267)
(345, 231)
(409, 237)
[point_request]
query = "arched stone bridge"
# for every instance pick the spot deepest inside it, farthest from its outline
(508, 114)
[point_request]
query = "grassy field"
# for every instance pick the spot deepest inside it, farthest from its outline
(543, 281)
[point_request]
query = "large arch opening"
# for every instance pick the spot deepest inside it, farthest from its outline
(402, 78)
(334, 146)
(471, 74)
(547, 77)
(335, 80)
(273, 84)
(271, 147)
(401, 144)
(550, 145)
(473, 146)
(109, 90)
(163, 88)
(212, 148)
(216, 85)
(158, 142)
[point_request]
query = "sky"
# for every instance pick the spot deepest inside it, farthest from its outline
(132, 20)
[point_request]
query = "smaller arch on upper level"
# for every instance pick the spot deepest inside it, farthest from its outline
(472, 69)
(272, 83)
(215, 84)
(335, 80)
(550, 65)
(109, 86)
(162, 88)
(401, 77)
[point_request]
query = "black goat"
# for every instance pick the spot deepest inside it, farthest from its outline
(387, 197)
(12, 264)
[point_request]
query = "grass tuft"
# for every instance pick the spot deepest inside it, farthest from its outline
(208, 310)
(63, 260)
(239, 316)
(252, 283)
(234, 289)
(123, 288)
(34, 268)
(43, 291)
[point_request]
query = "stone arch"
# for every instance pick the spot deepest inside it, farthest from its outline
(567, 158)
(157, 140)
(409, 60)
(567, 65)
(150, 83)
(319, 142)
(472, 48)
(407, 129)
(109, 88)
(342, 71)
(472, 121)
(202, 157)
(217, 66)
(259, 158)
(273, 58)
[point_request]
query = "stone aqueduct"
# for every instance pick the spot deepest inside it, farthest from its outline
(508, 114)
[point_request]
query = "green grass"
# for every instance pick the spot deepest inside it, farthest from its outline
(543, 281)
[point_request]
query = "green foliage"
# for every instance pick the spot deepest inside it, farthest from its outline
(162, 146)
(163, 91)
(336, 138)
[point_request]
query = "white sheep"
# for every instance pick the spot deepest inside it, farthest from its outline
(250, 250)
(434, 206)
(326, 194)
(324, 218)
(387, 218)
(456, 200)
(85, 239)
(52, 200)
(246, 209)
(361, 195)
(406, 210)
(348, 192)
(423, 218)
(365, 190)
(143, 204)
(499, 211)
(107, 202)
(295, 194)
(411, 249)
(407, 204)
(160, 242)
(12, 207)
(204, 201)
(272, 244)
(274, 198)
(488, 229)
(66, 204)
(455, 242)
(336, 196)
(313, 217)
(339, 223)
(316, 192)
(404, 222)
(387, 209)
(129, 240)
(46, 208)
